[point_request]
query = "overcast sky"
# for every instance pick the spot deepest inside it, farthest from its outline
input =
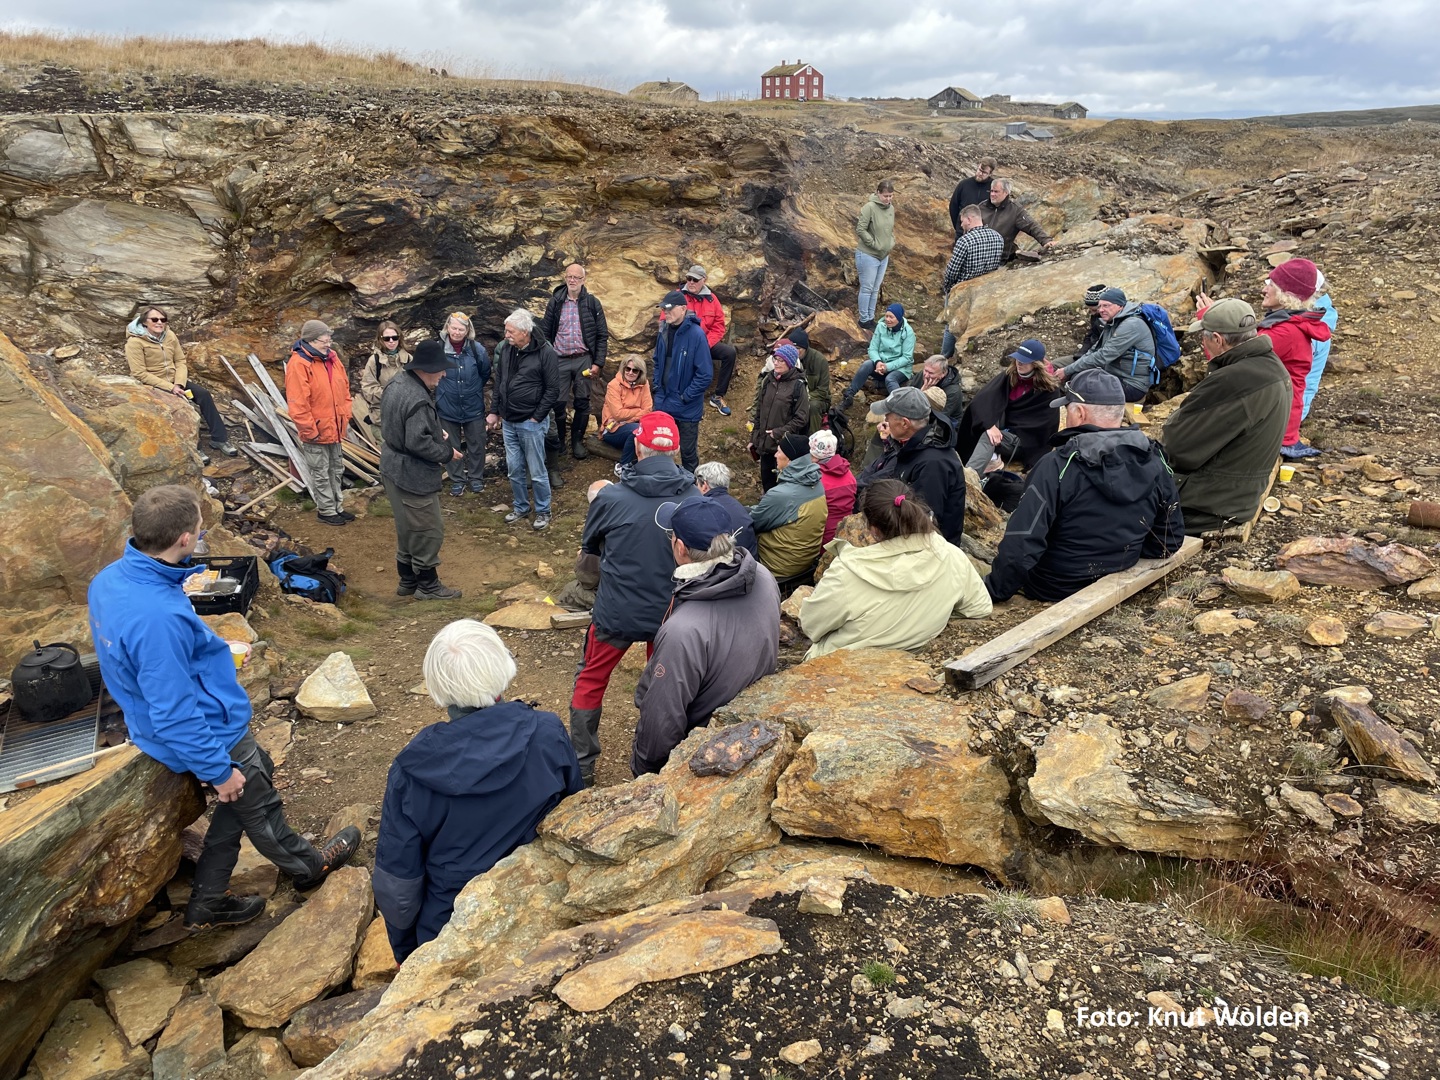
(1156, 58)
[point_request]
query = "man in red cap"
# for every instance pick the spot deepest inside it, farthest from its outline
(634, 563)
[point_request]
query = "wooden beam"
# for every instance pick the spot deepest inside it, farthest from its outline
(1018, 644)
(275, 395)
(569, 620)
(265, 495)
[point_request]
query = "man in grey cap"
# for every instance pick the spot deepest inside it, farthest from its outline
(1099, 502)
(413, 457)
(1224, 439)
(924, 456)
(1125, 348)
(706, 306)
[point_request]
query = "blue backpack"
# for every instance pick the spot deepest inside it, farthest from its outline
(1167, 346)
(308, 575)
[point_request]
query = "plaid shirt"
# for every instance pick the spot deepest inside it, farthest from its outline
(977, 252)
(568, 340)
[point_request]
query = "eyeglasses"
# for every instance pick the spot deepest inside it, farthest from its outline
(635, 370)
(157, 319)
(389, 337)
(694, 280)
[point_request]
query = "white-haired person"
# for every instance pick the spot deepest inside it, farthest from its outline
(527, 386)
(468, 791)
(836, 478)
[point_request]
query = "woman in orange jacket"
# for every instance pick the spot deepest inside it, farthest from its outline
(627, 399)
(317, 391)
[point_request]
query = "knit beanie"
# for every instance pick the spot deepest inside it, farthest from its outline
(787, 352)
(799, 338)
(1092, 294)
(1298, 277)
(313, 330)
(897, 310)
(1112, 295)
(823, 445)
(794, 446)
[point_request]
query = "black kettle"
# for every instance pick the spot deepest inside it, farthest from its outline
(50, 684)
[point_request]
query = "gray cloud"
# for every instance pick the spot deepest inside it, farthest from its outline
(1160, 58)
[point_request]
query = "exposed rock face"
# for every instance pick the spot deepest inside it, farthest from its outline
(151, 435)
(1079, 784)
(83, 1044)
(335, 692)
(319, 1028)
(1352, 563)
(1407, 805)
(63, 515)
(309, 953)
(1375, 742)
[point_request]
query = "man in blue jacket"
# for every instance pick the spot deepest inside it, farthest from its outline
(175, 679)
(467, 792)
(680, 373)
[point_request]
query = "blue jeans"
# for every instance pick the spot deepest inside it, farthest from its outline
(872, 273)
(624, 438)
(947, 344)
(525, 459)
(891, 379)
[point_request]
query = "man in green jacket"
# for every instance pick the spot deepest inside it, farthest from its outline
(1224, 439)
(875, 236)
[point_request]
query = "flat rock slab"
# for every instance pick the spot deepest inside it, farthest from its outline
(1326, 631)
(275, 738)
(1351, 563)
(141, 995)
(526, 615)
(1407, 804)
(226, 944)
(193, 1043)
(258, 1056)
(318, 1029)
(232, 626)
(1261, 586)
(1183, 695)
(356, 814)
(85, 1044)
(1377, 745)
(685, 945)
(1425, 589)
(307, 955)
(1395, 624)
(1211, 623)
(334, 691)
(1243, 705)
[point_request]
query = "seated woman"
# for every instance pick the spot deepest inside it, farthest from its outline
(892, 356)
(627, 399)
(466, 793)
(835, 477)
(153, 352)
(1018, 401)
(897, 593)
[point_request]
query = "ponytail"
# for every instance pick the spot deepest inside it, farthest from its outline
(893, 509)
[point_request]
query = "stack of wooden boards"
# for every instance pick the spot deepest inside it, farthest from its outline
(278, 453)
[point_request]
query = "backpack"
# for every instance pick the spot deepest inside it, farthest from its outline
(308, 575)
(1167, 346)
(835, 420)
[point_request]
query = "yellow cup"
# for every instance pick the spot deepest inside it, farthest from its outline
(1135, 411)
(239, 652)
(1287, 473)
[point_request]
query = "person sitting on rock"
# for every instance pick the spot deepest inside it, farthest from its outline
(781, 408)
(1223, 440)
(1099, 502)
(924, 457)
(627, 399)
(156, 359)
(900, 591)
(1125, 349)
(467, 791)
(790, 517)
(936, 371)
(1319, 349)
(713, 480)
(836, 478)
(977, 252)
(721, 632)
(1016, 401)
(891, 359)
(816, 370)
(1096, 325)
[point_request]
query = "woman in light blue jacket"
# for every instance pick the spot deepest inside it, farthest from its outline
(892, 356)
(1319, 349)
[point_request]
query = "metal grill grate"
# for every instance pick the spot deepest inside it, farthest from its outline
(26, 747)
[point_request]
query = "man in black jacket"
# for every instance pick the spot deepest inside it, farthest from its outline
(937, 371)
(527, 385)
(412, 469)
(1101, 501)
(574, 324)
(971, 191)
(925, 457)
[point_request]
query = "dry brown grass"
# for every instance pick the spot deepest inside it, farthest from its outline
(104, 58)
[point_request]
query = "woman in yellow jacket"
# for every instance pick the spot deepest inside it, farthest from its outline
(317, 393)
(153, 352)
(897, 593)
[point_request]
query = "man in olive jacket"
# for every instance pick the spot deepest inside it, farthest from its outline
(412, 469)
(1224, 439)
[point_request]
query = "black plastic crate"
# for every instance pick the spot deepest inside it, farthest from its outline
(243, 568)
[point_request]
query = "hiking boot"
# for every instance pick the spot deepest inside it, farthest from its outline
(227, 910)
(477, 486)
(408, 582)
(334, 853)
(457, 489)
(542, 521)
(515, 515)
(1299, 451)
(429, 587)
(347, 515)
(227, 448)
(330, 519)
(846, 400)
(578, 428)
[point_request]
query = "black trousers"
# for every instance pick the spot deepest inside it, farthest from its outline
(258, 814)
(205, 402)
(722, 356)
(769, 475)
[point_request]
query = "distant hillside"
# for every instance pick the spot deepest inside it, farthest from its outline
(1357, 118)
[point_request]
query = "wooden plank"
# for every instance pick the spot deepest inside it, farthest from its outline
(264, 495)
(241, 383)
(1018, 644)
(272, 468)
(281, 429)
(275, 395)
(569, 620)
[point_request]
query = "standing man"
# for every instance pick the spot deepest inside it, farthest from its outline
(1010, 219)
(317, 396)
(574, 324)
(1125, 346)
(415, 451)
(527, 386)
(680, 372)
(875, 237)
(816, 370)
(721, 632)
(972, 190)
(634, 563)
(978, 251)
(711, 314)
(175, 679)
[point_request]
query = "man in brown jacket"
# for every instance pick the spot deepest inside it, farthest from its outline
(1009, 218)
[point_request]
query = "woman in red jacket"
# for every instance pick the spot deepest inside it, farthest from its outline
(317, 393)
(836, 478)
(1294, 325)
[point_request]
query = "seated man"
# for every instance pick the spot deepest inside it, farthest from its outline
(1224, 439)
(1125, 349)
(790, 518)
(938, 372)
(721, 633)
(467, 792)
(924, 457)
(1099, 502)
(713, 480)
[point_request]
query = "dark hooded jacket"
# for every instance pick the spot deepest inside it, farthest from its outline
(721, 634)
(741, 527)
(593, 329)
(527, 381)
(928, 463)
(463, 795)
(1101, 501)
(1029, 416)
(635, 558)
(681, 369)
(413, 452)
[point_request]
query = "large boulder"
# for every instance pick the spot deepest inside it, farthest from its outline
(151, 435)
(1351, 563)
(62, 513)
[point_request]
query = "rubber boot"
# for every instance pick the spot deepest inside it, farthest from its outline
(407, 582)
(552, 466)
(577, 433)
(585, 737)
(429, 588)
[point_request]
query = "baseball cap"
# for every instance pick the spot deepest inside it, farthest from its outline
(1091, 388)
(658, 431)
(907, 401)
(696, 521)
(1029, 351)
(1228, 316)
(674, 298)
(696, 271)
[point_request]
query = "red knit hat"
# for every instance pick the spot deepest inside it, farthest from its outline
(658, 431)
(1298, 277)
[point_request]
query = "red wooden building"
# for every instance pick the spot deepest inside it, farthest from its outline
(794, 82)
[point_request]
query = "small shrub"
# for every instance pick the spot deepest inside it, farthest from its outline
(1154, 969)
(1282, 621)
(1011, 908)
(380, 508)
(1310, 759)
(880, 975)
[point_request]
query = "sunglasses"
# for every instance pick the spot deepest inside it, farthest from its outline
(153, 319)
(695, 280)
(389, 337)
(635, 371)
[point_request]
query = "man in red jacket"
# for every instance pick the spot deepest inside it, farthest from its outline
(706, 306)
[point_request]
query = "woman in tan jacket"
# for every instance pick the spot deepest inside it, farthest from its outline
(153, 352)
(387, 359)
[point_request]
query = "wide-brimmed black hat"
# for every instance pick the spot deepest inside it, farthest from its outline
(430, 357)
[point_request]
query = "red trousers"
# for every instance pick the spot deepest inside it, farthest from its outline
(597, 662)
